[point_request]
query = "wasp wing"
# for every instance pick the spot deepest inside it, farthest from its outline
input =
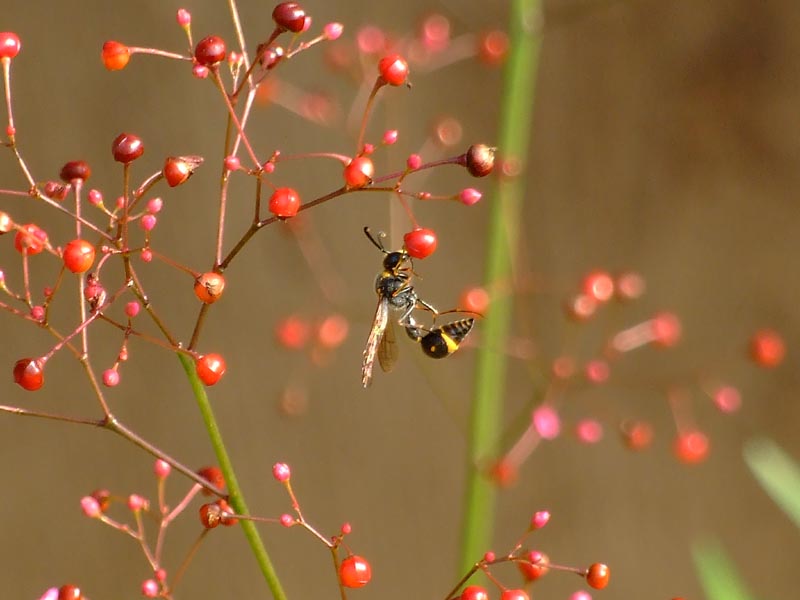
(376, 334)
(388, 349)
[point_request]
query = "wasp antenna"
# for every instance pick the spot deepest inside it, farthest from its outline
(378, 243)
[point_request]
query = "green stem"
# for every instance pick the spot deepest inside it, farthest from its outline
(517, 107)
(235, 497)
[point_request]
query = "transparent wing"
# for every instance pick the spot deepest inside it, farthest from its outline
(374, 339)
(388, 349)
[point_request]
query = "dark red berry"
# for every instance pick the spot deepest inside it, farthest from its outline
(126, 148)
(115, 55)
(210, 368)
(479, 160)
(767, 348)
(208, 287)
(420, 243)
(69, 592)
(177, 169)
(393, 69)
(359, 172)
(691, 447)
(210, 51)
(9, 44)
(78, 256)
(289, 16)
(210, 515)
(75, 169)
(597, 575)
(214, 476)
(29, 373)
(354, 572)
(284, 203)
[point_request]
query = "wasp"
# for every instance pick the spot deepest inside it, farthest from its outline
(440, 341)
(395, 294)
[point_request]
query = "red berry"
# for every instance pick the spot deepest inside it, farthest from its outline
(78, 256)
(289, 16)
(475, 300)
(666, 329)
(359, 172)
(692, 447)
(420, 243)
(474, 592)
(514, 595)
(292, 332)
(393, 69)
(636, 435)
(9, 44)
(177, 169)
(479, 160)
(126, 148)
(354, 572)
(75, 169)
(30, 240)
(225, 516)
(69, 592)
(214, 476)
(210, 51)
(535, 565)
(115, 55)
(210, 515)
(767, 348)
(6, 223)
(493, 47)
(282, 472)
(284, 203)
(599, 285)
(208, 287)
(597, 575)
(210, 368)
(29, 373)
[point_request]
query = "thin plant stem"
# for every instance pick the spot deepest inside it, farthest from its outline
(516, 111)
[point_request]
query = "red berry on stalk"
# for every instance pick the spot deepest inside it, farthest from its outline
(289, 16)
(9, 44)
(284, 203)
(514, 595)
(126, 148)
(479, 160)
(208, 287)
(359, 172)
(214, 476)
(29, 373)
(354, 572)
(210, 515)
(535, 565)
(420, 243)
(597, 575)
(210, 368)
(692, 447)
(30, 240)
(225, 516)
(78, 256)
(69, 592)
(115, 55)
(767, 348)
(75, 169)
(393, 69)
(210, 51)
(474, 592)
(177, 169)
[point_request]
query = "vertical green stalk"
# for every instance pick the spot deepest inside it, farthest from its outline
(515, 126)
(235, 496)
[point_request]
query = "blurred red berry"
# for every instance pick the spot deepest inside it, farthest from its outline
(666, 329)
(636, 435)
(284, 203)
(210, 368)
(29, 373)
(115, 55)
(691, 447)
(78, 256)
(214, 476)
(293, 332)
(534, 566)
(767, 348)
(493, 47)
(354, 572)
(393, 69)
(599, 285)
(420, 243)
(31, 239)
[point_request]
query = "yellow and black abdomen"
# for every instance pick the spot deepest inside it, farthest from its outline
(443, 341)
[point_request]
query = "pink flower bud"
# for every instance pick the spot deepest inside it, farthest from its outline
(281, 472)
(90, 507)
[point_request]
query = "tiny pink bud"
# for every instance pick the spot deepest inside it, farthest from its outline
(120, 202)
(589, 431)
(136, 502)
(154, 205)
(346, 529)
(581, 595)
(90, 507)
(597, 371)
(11, 131)
(547, 422)
(368, 149)
(540, 519)
(184, 17)
(390, 136)
(287, 520)
(149, 588)
(148, 222)
(37, 312)
(728, 399)
(110, 377)
(95, 197)
(51, 594)
(333, 31)
(269, 167)
(146, 255)
(199, 71)
(232, 163)
(162, 468)
(470, 196)
(132, 308)
(414, 162)
(489, 557)
(281, 472)
(161, 575)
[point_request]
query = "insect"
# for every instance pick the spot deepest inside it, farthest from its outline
(395, 294)
(440, 341)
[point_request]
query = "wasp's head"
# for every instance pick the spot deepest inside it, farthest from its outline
(394, 260)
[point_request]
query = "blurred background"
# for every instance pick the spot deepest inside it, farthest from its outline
(665, 141)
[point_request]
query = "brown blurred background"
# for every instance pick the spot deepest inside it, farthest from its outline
(665, 141)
